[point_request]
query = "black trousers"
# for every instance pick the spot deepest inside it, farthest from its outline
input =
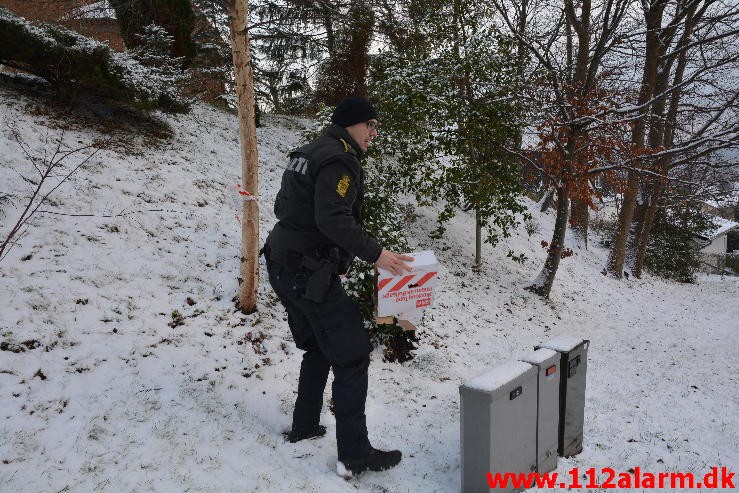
(333, 337)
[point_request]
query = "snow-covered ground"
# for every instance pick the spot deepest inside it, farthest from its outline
(100, 389)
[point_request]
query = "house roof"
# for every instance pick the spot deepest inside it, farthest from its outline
(97, 10)
(722, 226)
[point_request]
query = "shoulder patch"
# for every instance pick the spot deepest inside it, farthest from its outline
(343, 185)
(348, 148)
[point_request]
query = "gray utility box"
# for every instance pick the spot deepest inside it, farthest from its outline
(498, 425)
(574, 366)
(547, 409)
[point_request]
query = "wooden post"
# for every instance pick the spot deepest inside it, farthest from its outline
(249, 268)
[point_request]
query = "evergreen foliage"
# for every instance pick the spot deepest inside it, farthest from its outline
(304, 53)
(211, 69)
(384, 221)
(290, 38)
(79, 67)
(175, 16)
(450, 114)
(343, 73)
(673, 250)
(402, 23)
(153, 51)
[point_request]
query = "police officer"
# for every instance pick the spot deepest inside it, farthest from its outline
(319, 232)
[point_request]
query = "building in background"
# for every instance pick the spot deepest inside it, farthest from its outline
(715, 241)
(714, 247)
(92, 18)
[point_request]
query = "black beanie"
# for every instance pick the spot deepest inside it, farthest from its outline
(353, 110)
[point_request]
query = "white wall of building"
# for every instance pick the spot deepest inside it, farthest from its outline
(718, 245)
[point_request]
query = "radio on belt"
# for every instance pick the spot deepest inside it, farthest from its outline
(405, 297)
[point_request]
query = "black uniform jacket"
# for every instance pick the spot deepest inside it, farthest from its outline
(320, 201)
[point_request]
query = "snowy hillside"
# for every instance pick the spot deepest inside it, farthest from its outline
(103, 387)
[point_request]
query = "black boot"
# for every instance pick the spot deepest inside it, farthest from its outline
(375, 460)
(294, 435)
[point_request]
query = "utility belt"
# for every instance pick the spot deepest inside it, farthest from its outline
(317, 270)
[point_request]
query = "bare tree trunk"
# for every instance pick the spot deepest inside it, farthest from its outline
(548, 200)
(478, 240)
(637, 226)
(521, 23)
(542, 285)
(249, 269)
(581, 26)
(653, 18)
(649, 215)
(328, 24)
(274, 97)
(665, 137)
(580, 221)
(617, 255)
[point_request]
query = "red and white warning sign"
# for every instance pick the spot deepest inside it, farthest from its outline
(409, 294)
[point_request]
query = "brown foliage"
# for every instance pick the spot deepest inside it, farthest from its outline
(588, 142)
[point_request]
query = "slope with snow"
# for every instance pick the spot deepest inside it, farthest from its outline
(125, 366)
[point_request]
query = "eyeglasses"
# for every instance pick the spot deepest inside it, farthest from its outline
(373, 125)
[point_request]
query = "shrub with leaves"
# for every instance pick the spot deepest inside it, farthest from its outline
(673, 251)
(80, 67)
(450, 117)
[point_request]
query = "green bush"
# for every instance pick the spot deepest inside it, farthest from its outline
(79, 67)
(449, 117)
(672, 251)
